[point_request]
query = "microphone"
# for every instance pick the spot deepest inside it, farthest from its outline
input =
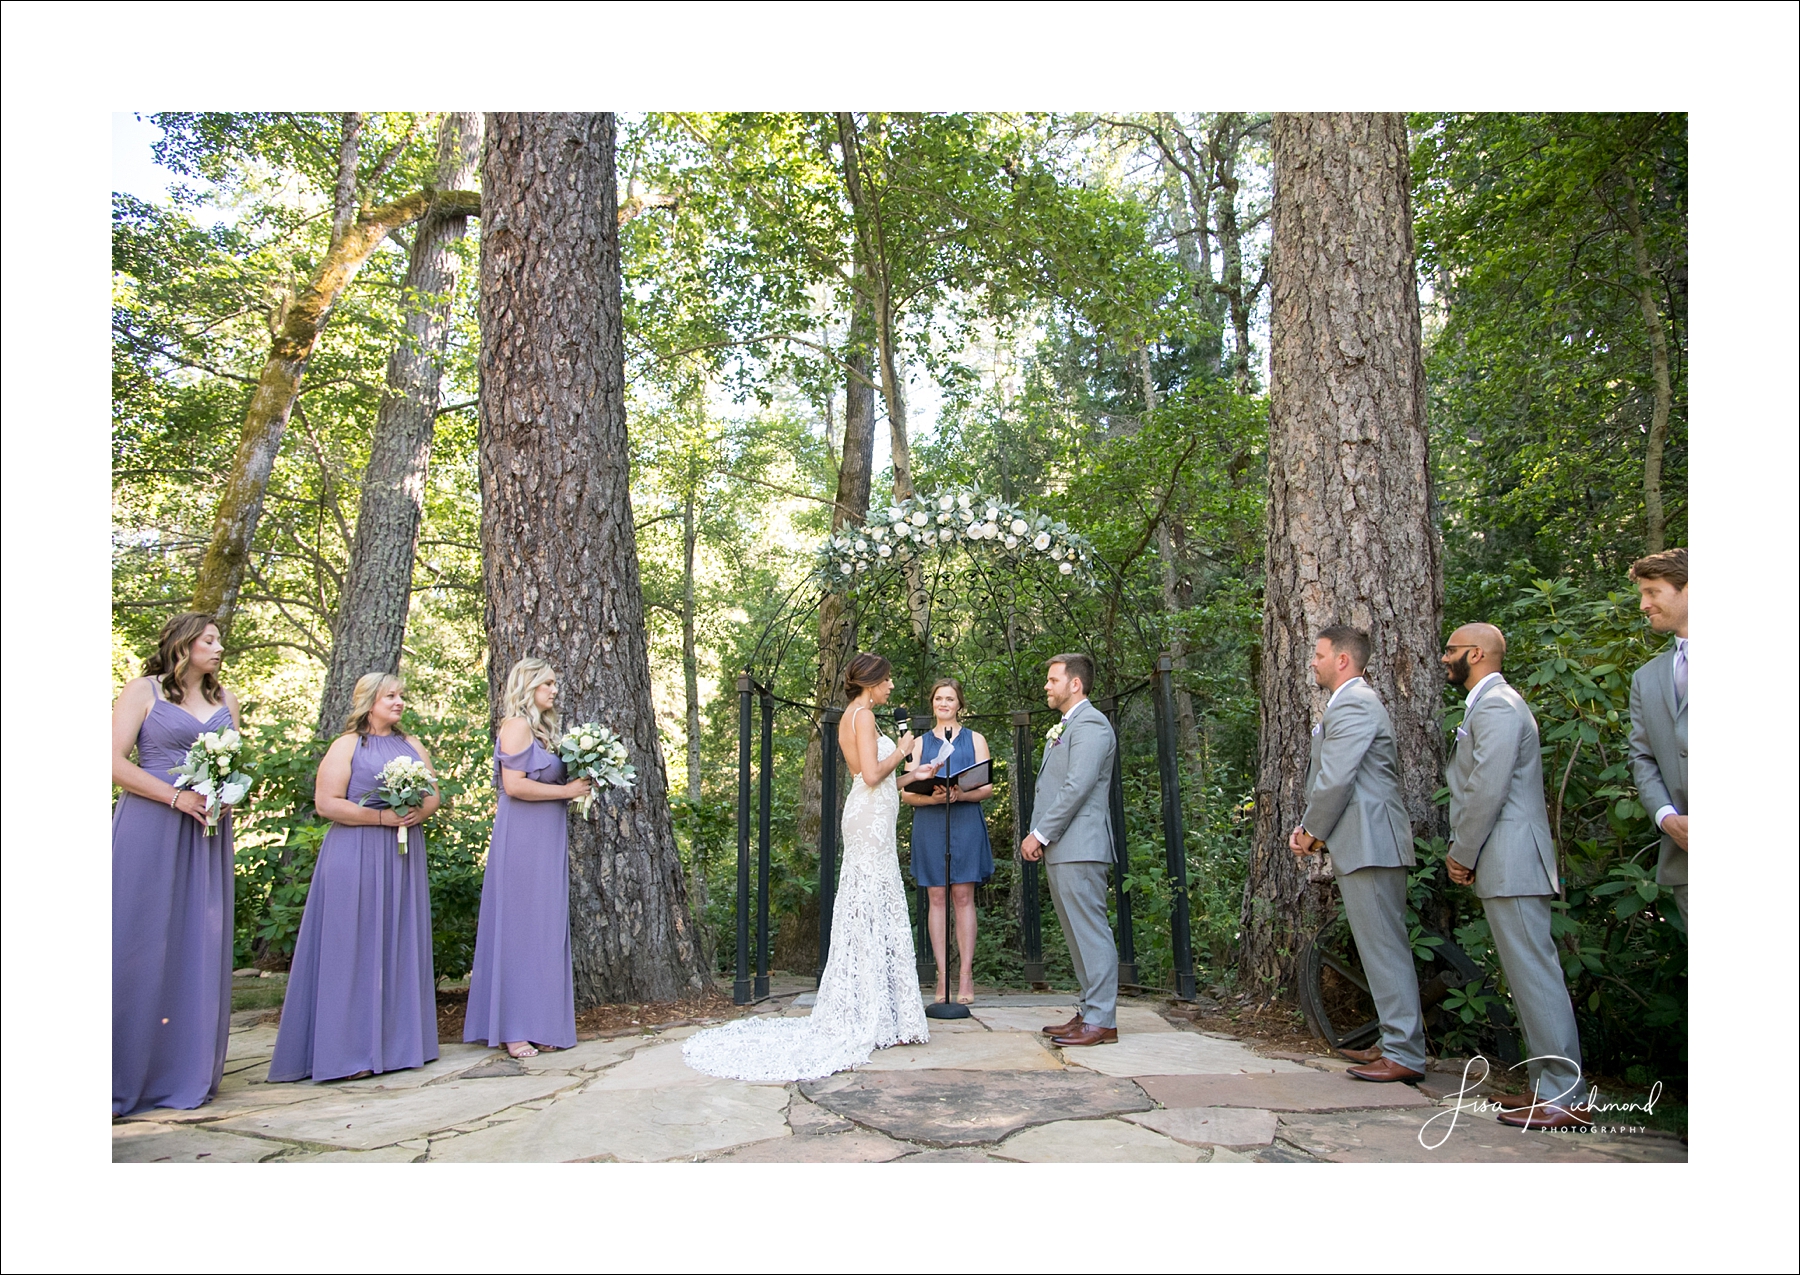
(902, 719)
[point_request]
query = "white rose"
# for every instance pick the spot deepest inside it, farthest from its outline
(993, 513)
(587, 743)
(943, 519)
(895, 513)
(862, 566)
(1012, 542)
(989, 530)
(919, 518)
(885, 552)
(1065, 568)
(946, 534)
(1018, 527)
(963, 500)
(877, 533)
(231, 737)
(1041, 541)
(843, 568)
(944, 502)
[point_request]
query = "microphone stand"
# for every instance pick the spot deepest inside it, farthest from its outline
(948, 1007)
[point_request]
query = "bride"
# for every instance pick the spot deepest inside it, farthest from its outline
(869, 996)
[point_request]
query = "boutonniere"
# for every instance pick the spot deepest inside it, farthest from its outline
(1054, 734)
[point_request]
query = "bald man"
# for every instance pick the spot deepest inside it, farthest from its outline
(1500, 843)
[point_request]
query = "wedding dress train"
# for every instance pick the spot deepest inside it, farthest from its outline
(869, 997)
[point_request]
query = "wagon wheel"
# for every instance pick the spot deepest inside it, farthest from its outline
(1335, 999)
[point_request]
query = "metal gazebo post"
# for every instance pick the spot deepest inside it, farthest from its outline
(765, 783)
(1174, 835)
(1024, 791)
(740, 987)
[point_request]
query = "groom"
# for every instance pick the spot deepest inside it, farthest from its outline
(1073, 834)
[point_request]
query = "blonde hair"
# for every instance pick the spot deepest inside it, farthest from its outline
(520, 698)
(369, 688)
(169, 662)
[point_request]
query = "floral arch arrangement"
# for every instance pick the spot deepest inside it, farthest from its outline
(933, 525)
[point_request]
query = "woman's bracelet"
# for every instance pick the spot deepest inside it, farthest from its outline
(174, 799)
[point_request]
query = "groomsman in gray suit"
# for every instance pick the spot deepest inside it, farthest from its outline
(1072, 833)
(1659, 715)
(1353, 807)
(1500, 842)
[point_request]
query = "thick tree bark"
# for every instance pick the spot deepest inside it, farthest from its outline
(1647, 286)
(559, 552)
(355, 235)
(837, 630)
(1350, 536)
(372, 611)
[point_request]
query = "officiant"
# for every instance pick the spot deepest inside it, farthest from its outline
(955, 748)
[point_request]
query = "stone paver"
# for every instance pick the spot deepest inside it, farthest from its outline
(365, 1120)
(988, 1089)
(1388, 1137)
(142, 1143)
(1299, 1090)
(642, 1124)
(954, 1108)
(1237, 1127)
(850, 1148)
(1094, 1142)
(1133, 1019)
(967, 1051)
(1175, 1054)
(657, 1066)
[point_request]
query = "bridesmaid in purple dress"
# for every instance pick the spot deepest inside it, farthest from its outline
(361, 997)
(522, 989)
(171, 884)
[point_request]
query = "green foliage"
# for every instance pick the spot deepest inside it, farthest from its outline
(278, 838)
(1540, 374)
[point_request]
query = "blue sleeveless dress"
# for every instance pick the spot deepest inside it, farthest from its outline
(971, 857)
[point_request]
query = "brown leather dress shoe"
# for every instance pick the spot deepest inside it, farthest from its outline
(1088, 1034)
(1509, 1101)
(1384, 1071)
(1362, 1055)
(1548, 1115)
(1064, 1029)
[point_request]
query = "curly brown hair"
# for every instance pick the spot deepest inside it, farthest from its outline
(174, 645)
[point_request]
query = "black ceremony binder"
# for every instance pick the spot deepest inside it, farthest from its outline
(971, 777)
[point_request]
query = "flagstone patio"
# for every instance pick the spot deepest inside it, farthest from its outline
(989, 1088)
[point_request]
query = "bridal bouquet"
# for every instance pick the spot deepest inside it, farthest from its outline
(210, 769)
(403, 785)
(593, 752)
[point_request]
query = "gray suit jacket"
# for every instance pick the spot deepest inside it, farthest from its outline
(1071, 810)
(1353, 785)
(1498, 822)
(1659, 753)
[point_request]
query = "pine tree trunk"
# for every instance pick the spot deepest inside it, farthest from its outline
(837, 632)
(1350, 536)
(559, 553)
(372, 611)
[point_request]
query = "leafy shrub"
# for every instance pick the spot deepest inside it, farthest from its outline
(278, 838)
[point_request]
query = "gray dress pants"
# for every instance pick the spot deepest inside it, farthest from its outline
(1375, 905)
(1078, 891)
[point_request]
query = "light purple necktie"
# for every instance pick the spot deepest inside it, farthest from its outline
(1681, 671)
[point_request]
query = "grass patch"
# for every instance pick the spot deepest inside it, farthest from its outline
(257, 993)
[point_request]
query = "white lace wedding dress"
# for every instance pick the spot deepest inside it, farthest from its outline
(869, 997)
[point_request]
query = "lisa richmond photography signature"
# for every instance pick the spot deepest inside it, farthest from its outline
(1589, 1110)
